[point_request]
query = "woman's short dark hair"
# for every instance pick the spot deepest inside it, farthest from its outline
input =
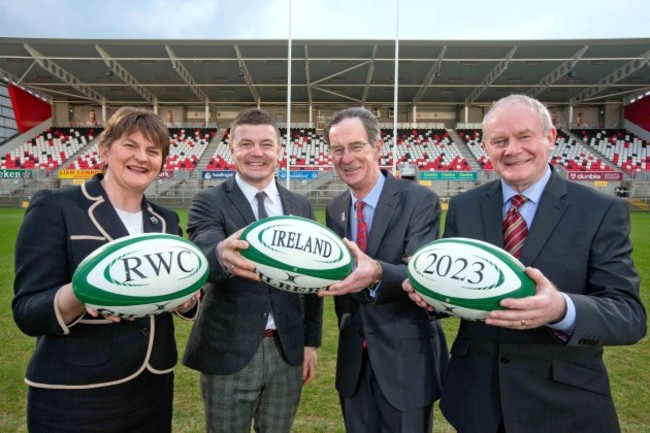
(128, 120)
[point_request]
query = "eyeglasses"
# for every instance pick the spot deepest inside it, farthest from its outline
(353, 148)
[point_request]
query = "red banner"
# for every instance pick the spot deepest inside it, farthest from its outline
(28, 109)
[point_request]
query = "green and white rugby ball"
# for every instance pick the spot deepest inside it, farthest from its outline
(296, 254)
(138, 275)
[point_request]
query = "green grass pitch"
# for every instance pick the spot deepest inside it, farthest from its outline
(319, 410)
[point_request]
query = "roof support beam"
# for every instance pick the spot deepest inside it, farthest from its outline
(341, 72)
(371, 71)
(247, 76)
(613, 78)
(64, 75)
(557, 73)
(185, 75)
(125, 76)
(491, 77)
(337, 94)
(431, 75)
(307, 76)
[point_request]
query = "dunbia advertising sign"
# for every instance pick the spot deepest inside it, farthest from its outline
(591, 176)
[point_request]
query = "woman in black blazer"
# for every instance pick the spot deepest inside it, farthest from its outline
(90, 372)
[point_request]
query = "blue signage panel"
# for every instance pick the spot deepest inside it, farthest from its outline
(217, 174)
(299, 174)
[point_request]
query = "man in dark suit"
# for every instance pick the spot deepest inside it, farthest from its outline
(253, 344)
(390, 353)
(537, 366)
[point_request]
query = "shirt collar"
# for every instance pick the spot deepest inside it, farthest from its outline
(372, 198)
(532, 193)
(249, 191)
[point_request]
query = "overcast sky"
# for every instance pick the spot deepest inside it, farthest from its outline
(325, 19)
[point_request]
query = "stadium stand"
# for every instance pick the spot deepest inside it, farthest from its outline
(221, 160)
(568, 152)
(308, 149)
(428, 149)
(573, 156)
(185, 150)
(186, 147)
(472, 138)
(622, 148)
(49, 150)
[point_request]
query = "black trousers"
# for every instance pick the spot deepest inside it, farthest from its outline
(142, 405)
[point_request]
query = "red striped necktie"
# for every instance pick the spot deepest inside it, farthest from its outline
(362, 228)
(362, 237)
(514, 227)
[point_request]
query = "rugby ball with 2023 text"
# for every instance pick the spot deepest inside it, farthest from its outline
(139, 275)
(467, 277)
(296, 254)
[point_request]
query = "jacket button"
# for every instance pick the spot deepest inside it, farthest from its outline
(145, 332)
(265, 315)
(504, 360)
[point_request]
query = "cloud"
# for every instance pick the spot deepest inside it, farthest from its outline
(162, 19)
(323, 19)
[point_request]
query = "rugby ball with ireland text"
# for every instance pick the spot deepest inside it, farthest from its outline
(296, 254)
(467, 277)
(139, 275)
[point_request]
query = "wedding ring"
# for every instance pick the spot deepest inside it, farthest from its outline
(523, 322)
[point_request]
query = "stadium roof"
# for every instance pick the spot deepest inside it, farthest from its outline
(327, 72)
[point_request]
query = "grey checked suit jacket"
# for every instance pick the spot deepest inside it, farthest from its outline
(234, 311)
(406, 347)
(579, 239)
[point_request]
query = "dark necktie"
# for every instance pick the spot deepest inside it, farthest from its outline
(261, 210)
(362, 228)
(514, 227)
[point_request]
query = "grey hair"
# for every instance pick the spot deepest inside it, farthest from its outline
(370, 123)
(542, 111)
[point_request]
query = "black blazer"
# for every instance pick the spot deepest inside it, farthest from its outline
(61, 227)
(407, 349)
(579, 239)
(234, 310)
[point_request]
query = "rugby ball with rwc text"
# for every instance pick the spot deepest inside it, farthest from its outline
(139, 275)
(467, 277)
(296, 254)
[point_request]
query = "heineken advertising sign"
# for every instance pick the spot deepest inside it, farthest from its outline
(14, 174)
(448, 175)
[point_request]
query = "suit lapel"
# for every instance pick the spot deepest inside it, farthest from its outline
(491, 207)
(239, 202)
(340, 214)
(151, 221)
(101, 212)
(550, 210)
(383, 214)
(107, 221)
(288, 204)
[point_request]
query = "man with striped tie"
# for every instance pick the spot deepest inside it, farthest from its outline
(537, 366)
